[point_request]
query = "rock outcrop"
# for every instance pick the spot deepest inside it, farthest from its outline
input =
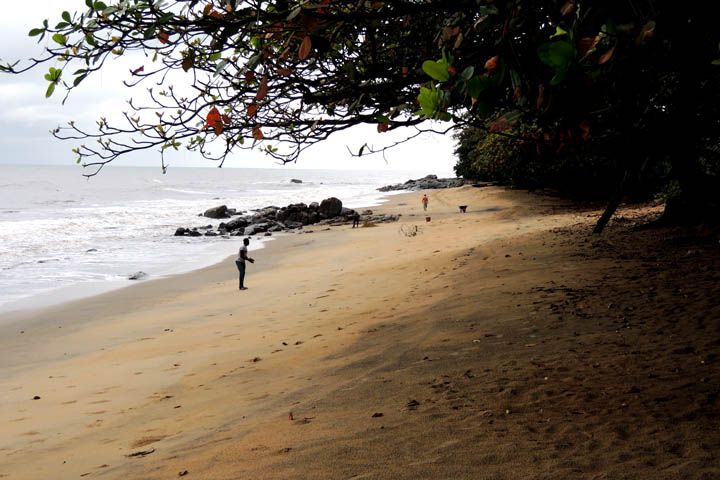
(278, 219)
(217, 212)
(425, 183)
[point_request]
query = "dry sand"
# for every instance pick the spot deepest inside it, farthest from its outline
(504, 343)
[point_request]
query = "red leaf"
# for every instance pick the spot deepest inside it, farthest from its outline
(214, 121)
(382, 127)
(458, 41)
(405, 70)
(285, 72)
(305, 47)
(541, 96)
(492, 64)
(138, 70)
(452, 70)
(208, 8)
(646, 33)
(587, 45)
(500, 125)
(257, 133)
(263, 90)
(225, 119)
(605, 57)
(163, 37)
(249, 75)
(584, 129)
(252, 110)
(568, 9)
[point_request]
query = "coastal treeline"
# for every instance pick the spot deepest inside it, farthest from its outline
(600, 98)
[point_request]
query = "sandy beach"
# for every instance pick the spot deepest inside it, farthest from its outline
(503, 343)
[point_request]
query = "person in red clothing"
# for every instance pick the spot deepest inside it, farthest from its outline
(425, 201)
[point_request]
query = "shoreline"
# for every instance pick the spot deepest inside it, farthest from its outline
(504, 341)
(57, 297)
(85, 233)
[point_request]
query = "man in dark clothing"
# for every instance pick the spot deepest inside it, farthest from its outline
(240, 262)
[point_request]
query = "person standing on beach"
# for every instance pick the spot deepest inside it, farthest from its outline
(240, 262)
(425, 201)
(356, 220)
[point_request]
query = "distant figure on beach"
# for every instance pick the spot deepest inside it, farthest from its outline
(240, 262)
(425, 201)
(356, 220)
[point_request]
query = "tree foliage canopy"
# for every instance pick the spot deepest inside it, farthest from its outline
(285, 74)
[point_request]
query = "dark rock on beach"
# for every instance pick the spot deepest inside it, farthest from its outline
(330, 207)
(138, 276)
(217, 212)
(234, 224)
(295, 180)
(425, 183)
(277, 219)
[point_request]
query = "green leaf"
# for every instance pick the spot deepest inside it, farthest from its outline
(433, 102)
(558, 78)
(149, 33)
(79, 79)
(220, 66)
(716, 61)
(89, 3)
(467, 73)
(559, 32)
(477, 85)
(166, 17)
(50, 90)
(36, 31)
(99, 6)
(427, 101)
(215, 57)
(53, 75)
(294, 13)
(61, 25)
(66, 16)
(514, 78)
(558, 55)
(90, 40)
(59, 38)
(436, 70)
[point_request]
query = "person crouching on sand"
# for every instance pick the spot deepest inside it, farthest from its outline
(240, 262)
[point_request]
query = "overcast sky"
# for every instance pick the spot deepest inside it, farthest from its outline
(26, 116)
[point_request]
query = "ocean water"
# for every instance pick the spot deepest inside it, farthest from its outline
(63, 236)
